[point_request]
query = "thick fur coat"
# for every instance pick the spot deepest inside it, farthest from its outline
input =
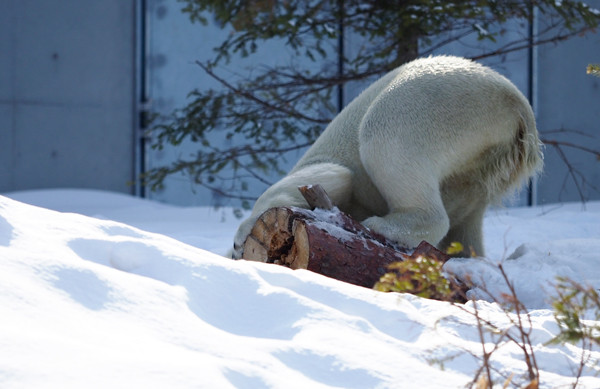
(420, 154)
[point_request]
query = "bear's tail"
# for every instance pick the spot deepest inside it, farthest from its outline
(516, 162)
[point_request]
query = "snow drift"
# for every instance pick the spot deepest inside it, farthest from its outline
(124, 299)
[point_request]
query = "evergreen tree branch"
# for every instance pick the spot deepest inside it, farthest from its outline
(280, 108)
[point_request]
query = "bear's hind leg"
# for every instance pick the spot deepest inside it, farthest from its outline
(409, 225)
(409, 185)
(468, 233)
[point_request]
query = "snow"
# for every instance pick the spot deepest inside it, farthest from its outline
(105, 290)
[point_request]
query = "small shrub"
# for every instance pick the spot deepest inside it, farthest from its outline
(420, 276)
(577, 312)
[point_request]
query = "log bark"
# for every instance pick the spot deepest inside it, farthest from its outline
(328, 242)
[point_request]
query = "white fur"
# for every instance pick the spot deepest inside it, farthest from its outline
(419, 154)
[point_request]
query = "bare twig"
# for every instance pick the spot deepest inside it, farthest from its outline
(485, 354)
(521, 320)
(555, 143)
(579, 179)
(571, 171)
(525, 341)
(252, 97)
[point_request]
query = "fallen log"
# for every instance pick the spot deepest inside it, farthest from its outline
(326, 241)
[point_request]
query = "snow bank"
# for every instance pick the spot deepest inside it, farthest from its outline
(91, 302)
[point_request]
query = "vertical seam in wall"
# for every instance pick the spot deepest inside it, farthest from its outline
(141, 92)
(532, 60)
(340, 54)
(534, 95)
(135, 36)
(13, 93)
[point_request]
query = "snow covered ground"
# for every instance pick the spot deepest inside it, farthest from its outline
(117, 292)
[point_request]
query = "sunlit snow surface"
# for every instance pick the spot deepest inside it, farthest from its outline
(130, 296)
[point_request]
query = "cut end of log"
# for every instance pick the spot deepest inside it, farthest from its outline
(254, 250)
(271, 237)
(276, 238)
(298, 256)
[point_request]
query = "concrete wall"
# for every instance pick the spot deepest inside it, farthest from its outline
(67, 71)
(68, 95)
(568, 110)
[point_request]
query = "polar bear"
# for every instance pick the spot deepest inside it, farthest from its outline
(419, 154)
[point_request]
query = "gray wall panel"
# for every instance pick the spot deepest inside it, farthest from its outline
(71, 93)
(72, 51)
(68, 147)
(569, 99)
(6, 47)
